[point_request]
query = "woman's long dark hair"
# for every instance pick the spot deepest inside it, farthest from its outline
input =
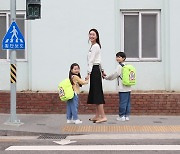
(71, 74)
(97, 33)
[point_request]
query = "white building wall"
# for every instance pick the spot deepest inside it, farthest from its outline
(60, 38)
(22, 67)
(147, 72)
(174, 55)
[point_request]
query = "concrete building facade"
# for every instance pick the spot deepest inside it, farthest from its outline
(148, 31)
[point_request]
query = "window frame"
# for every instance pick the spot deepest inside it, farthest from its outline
(140, 13)
(7, 15)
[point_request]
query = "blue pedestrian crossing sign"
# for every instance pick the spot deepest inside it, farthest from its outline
(13, 39)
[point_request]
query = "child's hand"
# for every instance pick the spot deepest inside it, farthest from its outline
(87, 77)
(103, 75)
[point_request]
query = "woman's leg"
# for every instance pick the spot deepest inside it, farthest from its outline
(97, 115)
(101, 113)
(97, 112)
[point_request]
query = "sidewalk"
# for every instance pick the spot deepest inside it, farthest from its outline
(56, 124)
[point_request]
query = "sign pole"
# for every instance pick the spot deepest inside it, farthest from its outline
(13, 118)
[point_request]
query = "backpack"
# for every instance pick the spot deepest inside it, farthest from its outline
(128, 75)
(66, 91)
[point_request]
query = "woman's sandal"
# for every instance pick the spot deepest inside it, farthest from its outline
(93, 119)
(101, 120)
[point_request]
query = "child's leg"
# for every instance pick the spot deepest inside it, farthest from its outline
(74, 107)
(123, 99)
(128, 108)
(68, 110)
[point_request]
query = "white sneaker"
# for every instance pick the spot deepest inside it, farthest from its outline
(77, 121)
(70, 121)
(121, 118)
(127, 118)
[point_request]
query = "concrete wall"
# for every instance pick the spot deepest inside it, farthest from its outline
(22, 67)
(174, 54)
(147, 72)
(61, 38)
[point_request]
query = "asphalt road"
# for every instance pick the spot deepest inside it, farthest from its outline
(33, 141)
(147, 133)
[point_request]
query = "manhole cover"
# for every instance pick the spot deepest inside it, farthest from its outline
(52, 137)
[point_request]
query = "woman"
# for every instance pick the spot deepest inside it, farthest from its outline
(95, 73)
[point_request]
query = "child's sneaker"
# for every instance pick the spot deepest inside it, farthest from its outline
(127, 118)
(77, 121)
(70, 121)
(121, 118)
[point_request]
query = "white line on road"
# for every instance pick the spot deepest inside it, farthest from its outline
(124, 136)
(18, 137)
(97, 147)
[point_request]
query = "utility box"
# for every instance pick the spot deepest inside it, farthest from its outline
(33, 9)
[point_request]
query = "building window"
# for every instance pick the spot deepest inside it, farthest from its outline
(5, 22)
(140, 35)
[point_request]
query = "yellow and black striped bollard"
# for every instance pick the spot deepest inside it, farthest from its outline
(13, 73)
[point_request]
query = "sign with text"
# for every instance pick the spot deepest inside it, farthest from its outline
(13, 39)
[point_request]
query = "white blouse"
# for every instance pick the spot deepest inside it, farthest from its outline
(94, 57)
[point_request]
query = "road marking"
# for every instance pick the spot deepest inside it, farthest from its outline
(96, 147)
(18, 137)
(64, 142)
(124, 136)
(9, 140)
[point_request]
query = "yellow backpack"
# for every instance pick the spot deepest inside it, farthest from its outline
(66, 91)
(128, 75)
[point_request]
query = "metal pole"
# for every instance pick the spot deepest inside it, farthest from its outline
(13, 118)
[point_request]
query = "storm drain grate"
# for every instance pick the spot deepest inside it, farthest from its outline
(54, 137)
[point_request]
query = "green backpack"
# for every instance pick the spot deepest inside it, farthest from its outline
(128, 75)
(66, 91)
